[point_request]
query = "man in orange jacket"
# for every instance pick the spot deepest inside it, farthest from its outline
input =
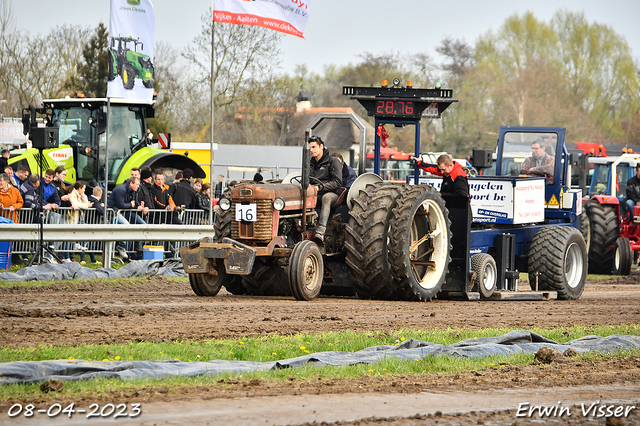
(163, 201)
(454, 177)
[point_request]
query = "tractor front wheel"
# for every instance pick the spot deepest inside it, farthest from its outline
(623, 257)
(306, 270)
(208, 285)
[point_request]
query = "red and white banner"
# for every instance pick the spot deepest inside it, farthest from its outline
(286, 16)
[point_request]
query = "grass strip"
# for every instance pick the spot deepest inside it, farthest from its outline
(276, 347)
(273, 348)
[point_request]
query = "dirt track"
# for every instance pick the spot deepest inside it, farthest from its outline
(164, 310)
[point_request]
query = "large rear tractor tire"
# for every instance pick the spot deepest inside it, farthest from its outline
(623, 257)
(603, 232)
(558, 257)
(420, 238)
(367, 241)
(486, 274)
(266, 280)
(222, 224)
(306, 270)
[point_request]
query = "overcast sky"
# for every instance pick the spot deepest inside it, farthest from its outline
(339, 30)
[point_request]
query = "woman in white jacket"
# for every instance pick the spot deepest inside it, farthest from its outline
(79, 201)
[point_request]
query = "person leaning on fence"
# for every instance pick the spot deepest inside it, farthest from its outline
(123, 197)
(21, 175)
(202, 200)
(62, 186)
(29, 191)
(79, 203)
(50, 197)
(10, 199)
(163, 201)
(144, 193)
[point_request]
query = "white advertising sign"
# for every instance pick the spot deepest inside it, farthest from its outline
(286, 16)
(11, 134)
(131, 43)
(518, 200)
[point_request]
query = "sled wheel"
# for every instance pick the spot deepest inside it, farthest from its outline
(306, 269)
(623, 258)
(558, 254)
(128, 76)
(421, 243)
(367, 241)
(486, 274)
(603, 229)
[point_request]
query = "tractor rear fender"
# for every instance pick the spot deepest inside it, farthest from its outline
(605, 199)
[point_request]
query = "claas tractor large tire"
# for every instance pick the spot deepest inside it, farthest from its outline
(558, 260)
(367, 241)
(623, 257)
(420, 237)
(603, 230)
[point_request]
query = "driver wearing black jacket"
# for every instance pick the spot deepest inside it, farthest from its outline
(327, 170)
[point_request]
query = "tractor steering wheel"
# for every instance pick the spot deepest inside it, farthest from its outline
(312, 180)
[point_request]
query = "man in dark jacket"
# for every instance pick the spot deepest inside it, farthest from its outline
(348, 174)
(182, 192)
(29, 191)
(454, 179)
(123, 197)
(328, 170)
(633, 191)
(144, 192)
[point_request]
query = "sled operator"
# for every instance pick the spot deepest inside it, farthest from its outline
(454, 178)
(328, 170)
(540, 163)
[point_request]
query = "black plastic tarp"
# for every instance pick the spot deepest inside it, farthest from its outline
(513, 342)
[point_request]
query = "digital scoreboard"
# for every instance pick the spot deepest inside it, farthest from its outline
(401, 102)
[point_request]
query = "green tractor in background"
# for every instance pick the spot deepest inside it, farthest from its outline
(129, 64)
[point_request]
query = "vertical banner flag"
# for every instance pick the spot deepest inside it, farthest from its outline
(286, 16)
(131, 43)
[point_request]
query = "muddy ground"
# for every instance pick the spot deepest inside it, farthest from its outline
(166, 310)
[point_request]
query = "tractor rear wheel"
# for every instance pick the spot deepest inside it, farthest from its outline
(266, 280)
(603, 228)
(306, 269)
(558, 257)
(623, 257)
(128, 76)
(486, 274)
(420, 238)
(222, 224)
(367, 241)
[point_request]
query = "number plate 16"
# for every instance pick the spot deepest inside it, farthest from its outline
(246, 212)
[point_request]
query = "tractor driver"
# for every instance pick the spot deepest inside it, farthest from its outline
(633, 191)
(540, 163)
(328, 170)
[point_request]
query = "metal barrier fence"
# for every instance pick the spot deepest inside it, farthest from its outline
(70, 216)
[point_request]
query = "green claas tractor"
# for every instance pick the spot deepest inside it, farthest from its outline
(129, 64)
(82, 147)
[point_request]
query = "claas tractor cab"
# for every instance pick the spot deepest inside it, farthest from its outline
(611, 230)
(129, 63)
(82, 142)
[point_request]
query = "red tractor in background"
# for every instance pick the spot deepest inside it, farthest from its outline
(612, 233)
